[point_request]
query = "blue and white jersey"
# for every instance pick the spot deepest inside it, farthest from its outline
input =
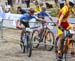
(27, 17)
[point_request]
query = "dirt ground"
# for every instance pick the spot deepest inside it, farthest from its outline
(11, 51)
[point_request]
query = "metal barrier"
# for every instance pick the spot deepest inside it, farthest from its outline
(1, 26)
(4, 29)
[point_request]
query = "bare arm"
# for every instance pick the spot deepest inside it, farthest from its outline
(17, 22)
(60, 20)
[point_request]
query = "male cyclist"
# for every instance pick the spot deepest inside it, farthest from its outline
(25, 19)
(42, 14)
(63, 22)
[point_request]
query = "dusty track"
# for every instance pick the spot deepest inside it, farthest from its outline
(11, 51)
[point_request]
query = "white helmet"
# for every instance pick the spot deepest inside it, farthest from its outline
(72, 1)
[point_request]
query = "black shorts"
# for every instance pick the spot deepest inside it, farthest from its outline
(26, 24)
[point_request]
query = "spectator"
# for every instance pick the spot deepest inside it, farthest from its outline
(56, 3)
(41, 4)
(23, 1)
(7, 8)
(27, 3)
(37, 8)
(20, 10)
(10, 2)
(1, 10)
(18, 1)
(48, 5)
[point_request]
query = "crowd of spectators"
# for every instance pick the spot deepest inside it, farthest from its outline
(60, 3)
(37, 8)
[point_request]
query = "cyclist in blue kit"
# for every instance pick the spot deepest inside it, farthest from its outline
(42, 14)
(25, 19)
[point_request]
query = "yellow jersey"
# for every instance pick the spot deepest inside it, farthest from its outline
(37, 9)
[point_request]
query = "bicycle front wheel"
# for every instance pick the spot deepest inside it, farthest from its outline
(29, 45)
(27, 48)
(29, 52)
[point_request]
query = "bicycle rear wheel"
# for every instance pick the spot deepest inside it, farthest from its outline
(35, 39)
(22, 43)
(49, 40)
(29, 52)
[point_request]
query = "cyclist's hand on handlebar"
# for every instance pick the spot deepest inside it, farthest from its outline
(44, 21)
(17, 27)
(55, 23)
(20, 27)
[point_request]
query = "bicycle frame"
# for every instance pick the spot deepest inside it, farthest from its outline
(44, 31)
(67, 37)
(65, 43)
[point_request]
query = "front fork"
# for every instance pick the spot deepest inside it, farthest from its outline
(68, 42)
(27, 37)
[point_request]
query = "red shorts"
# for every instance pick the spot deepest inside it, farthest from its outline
(65, 24)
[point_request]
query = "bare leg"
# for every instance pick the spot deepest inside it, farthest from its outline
(59, 42)
(22, 33)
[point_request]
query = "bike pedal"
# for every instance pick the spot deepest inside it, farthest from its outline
(21, 41)
(60, 56)
(59, 60)
(41, 40)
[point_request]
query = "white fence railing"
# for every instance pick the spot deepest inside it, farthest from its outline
(9, 20)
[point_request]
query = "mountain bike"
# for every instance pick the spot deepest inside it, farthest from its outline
(66, 43)
(44, 35)
(26, 46)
